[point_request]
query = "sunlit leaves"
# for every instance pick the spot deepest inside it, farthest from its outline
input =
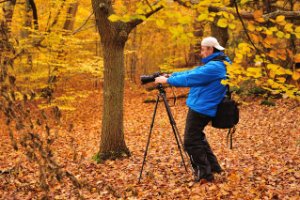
(202, 17)
(257, 14)
(280, 20)
(296, 75)
(222, 23)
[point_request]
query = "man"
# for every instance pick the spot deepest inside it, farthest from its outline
(206, 92)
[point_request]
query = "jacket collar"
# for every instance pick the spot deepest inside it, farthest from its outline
(212, 56)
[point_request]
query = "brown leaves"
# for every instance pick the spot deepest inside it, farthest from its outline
(264, 162)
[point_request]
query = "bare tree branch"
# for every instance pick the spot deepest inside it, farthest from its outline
(182, 3)
(34, 13)
(250, 16)
(4, 1)
(243, 24)
(246, 14)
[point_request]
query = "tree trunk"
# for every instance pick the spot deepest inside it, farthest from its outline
(113, 38)
(112, 137)
(220, 33)
(71, 14)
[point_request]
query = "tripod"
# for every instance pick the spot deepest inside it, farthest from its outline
(162, 94)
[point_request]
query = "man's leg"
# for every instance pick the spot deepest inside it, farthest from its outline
(215, 166)
(194, 145)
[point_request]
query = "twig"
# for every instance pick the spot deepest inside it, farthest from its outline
(84, 23)
(4, 1)
(149, 4)
(245, 29)
(7, 171)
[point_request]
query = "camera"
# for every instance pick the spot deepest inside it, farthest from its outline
(149, 78)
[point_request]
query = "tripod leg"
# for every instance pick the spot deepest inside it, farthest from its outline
(149, 136)
(175, 130)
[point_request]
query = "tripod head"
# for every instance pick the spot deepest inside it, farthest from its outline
(160, 89)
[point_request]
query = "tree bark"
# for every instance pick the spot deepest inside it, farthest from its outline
(71, 13)
(113, 38)
(112, 138)
(113, 35)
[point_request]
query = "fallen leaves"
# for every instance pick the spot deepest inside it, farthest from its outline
(263, 164)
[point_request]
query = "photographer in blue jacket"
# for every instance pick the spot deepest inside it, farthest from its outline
(206, 92)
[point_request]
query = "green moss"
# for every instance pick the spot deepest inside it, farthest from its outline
(101, 157)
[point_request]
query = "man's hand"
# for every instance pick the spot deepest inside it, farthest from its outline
(161, 79)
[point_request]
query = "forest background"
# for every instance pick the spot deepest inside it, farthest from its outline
(71, 97)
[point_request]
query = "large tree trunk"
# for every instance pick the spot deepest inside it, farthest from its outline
(112, 137)
(113, 38)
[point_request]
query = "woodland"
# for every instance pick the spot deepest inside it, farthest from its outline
(75, 118)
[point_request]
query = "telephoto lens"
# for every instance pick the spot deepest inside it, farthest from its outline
(149, 78)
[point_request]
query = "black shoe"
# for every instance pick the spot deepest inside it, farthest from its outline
(198, 176)
(217, 170)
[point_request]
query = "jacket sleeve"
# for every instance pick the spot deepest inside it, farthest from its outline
(181, 73)
(199, 76)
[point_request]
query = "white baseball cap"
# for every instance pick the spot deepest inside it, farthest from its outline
(211, 42)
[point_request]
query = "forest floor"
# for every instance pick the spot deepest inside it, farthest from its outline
(263, 164)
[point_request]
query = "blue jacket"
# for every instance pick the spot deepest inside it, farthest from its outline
(206, 90)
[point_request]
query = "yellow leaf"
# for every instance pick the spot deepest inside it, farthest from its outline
(280, 19)
(281, 79)
(297, 30)
(287, 36)
(251, 27)
(257, 14)
(297, 58)
(296, 76)
(160, 23)
(202, 17)
(273, 54)
(288, 27)
(280, 34)
(255, 38)
(232, 26)
(222, 23)
(114, 18)
(259, 28)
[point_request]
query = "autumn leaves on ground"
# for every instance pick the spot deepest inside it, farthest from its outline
(263, 164)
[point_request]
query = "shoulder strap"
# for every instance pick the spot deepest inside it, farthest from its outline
(223, 58)
(219, 58)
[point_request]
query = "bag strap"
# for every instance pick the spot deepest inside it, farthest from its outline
(223, 58)
(219, 58)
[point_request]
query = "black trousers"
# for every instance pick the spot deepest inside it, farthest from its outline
(196, 145)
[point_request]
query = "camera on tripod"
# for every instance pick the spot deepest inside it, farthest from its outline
(150, 78)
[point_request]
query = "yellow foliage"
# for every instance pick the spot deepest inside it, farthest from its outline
(202, 17)
(251, 27)
(254, 72)
(280, 20)
(296, 75)
(297, 58)
(223, 23)
(257, 14)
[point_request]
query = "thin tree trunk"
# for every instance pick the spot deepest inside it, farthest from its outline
(71, 13)
(220, 33)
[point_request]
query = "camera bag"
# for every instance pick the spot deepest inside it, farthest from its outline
(227, 113)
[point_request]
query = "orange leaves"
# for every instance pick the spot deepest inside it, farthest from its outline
(278, 54)
(257, 14)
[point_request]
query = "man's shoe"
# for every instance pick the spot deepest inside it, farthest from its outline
(217, 170)
(203, 178)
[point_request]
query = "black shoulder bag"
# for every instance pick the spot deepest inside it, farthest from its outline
(227, 113)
